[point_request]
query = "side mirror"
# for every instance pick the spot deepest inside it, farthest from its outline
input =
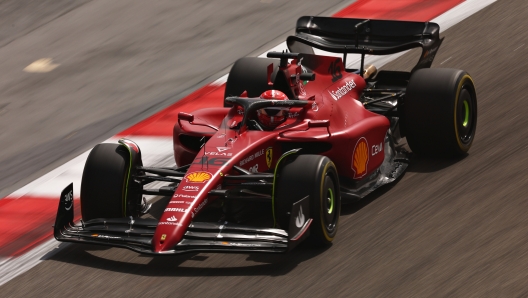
(319, 123)
(185, 116)
(309, 76)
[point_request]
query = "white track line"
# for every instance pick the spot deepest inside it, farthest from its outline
(12, 268)
(445, 20)
(157, 151)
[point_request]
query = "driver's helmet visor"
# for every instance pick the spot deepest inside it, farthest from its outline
(275, 112)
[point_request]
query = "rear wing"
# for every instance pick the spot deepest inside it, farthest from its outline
(365, 36)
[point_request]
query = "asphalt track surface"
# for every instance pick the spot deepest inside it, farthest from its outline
(447, 228)
(120, 61)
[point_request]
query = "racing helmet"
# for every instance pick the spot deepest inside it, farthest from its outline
(272, 117)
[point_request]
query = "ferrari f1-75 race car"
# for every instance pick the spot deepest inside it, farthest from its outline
(298, 134)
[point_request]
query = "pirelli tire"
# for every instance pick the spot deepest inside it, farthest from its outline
(314, 176)
(103, 182)
(249, 74)
(440, 112)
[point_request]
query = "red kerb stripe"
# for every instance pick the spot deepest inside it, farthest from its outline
(409, 10)
(26, 222)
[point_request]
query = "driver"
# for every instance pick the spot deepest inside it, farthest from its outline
(270, 118)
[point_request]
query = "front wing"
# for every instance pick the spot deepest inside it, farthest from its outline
(136, 233)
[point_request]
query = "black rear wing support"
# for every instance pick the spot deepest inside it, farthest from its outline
(365, 36)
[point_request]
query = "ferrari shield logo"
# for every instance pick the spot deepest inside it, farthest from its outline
(269, 156)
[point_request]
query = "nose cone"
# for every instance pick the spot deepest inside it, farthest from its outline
(160, 243)
(170, 230)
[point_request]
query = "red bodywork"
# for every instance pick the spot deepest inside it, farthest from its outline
(334, 117)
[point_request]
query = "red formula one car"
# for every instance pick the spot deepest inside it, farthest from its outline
(299, 133)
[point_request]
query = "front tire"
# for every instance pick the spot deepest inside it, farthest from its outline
(103, 182)
(314, 176)
(440, 112)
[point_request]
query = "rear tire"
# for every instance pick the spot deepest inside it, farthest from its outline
(103, 182)
(440, 112)
(314, 176)
(249, 74)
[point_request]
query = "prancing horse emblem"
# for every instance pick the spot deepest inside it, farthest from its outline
(269, 156)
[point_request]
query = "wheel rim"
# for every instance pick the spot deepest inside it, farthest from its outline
(329, 209)
(465, 117)
(330, 199)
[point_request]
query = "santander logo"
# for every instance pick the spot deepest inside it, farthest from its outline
(343, 90)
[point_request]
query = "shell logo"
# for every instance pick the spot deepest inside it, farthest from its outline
(360, 158)
(198, 177)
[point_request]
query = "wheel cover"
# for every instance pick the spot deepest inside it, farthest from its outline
(329, 210)
(330, 198)
(465, 113)
(465, 117)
